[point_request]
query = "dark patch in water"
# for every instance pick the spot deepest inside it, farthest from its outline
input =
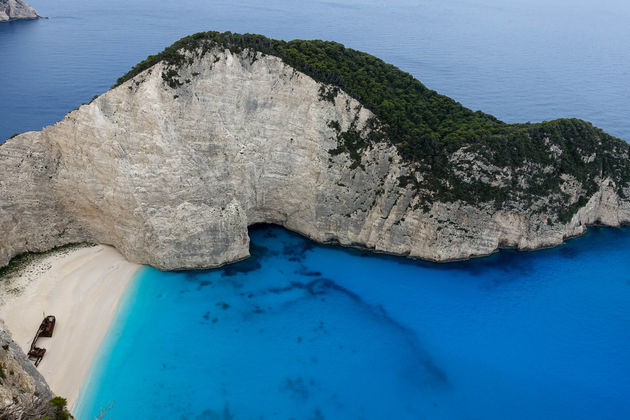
(421, 367)
(317, 415)
(321, 328)
(297, 251)
(269, 234)
(223, 305)
(204, 283)
(243, 267)
(210, 414)
(322, 286)
(304, 271)
(437, 375)
(278, 290)
(193, 275)
(237, 284)
(296, 387)
(253, 263)
(258, 251)
(314, 287)
(506, 261)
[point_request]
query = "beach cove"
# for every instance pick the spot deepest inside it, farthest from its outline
(81, 287)
(310, 331)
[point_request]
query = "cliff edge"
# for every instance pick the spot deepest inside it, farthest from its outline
(24, 393)
(16, 9)
(222, 131)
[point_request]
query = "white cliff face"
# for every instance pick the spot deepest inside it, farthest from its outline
(173, 177)
(16, 9)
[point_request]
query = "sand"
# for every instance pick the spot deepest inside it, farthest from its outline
(82, 288)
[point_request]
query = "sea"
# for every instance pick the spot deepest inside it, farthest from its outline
(304, 331)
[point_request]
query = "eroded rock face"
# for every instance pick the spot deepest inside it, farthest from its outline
(23, 392)
(16, 9)
(172, 177)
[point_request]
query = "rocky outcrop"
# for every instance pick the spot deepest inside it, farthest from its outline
(172, 176)
(16, 9)
(23, 392)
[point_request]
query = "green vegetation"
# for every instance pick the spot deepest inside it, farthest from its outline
(414, 117)
(22, 260)
(427, 128)
(58, 410)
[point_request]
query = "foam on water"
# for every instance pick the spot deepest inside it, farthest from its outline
(306, 331)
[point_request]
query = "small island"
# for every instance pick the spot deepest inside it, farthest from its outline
(16, 9)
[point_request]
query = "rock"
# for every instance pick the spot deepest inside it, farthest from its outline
(16, 9)
(24, 393)
(173, 176)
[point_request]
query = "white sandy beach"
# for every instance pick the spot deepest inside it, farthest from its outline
(82, 288)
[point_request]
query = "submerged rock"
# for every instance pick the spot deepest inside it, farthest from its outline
(16, 9)
(172, 165)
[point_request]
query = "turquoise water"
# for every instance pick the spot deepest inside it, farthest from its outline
(311, 332)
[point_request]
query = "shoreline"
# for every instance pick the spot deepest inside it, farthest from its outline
(83, 288)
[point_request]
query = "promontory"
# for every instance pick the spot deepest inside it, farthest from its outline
(222, 131)
(16, 9)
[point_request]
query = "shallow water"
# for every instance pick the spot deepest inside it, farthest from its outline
(306, 331)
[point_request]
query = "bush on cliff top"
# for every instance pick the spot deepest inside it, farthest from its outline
(427, 127)
(415, 117)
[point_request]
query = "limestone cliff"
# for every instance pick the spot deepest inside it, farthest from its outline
(16, 9)
(23, 392)
(173, 165)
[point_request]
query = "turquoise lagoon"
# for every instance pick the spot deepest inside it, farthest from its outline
(303, 331)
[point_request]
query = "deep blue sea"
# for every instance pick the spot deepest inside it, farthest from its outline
(308, 332)
(521, 60)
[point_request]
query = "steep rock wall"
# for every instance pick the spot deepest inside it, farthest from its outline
(24, 393)
(173, 177)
